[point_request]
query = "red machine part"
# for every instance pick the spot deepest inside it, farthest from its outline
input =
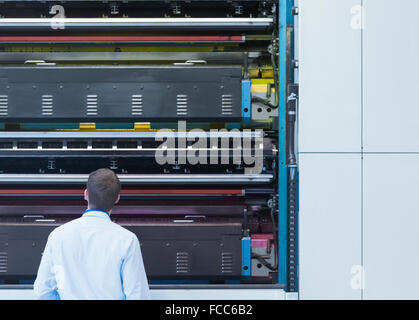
(209, 38)
(261, 240)
(34, 192)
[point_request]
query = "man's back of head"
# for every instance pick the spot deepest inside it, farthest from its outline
(103, 187)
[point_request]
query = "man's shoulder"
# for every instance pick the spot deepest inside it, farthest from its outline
(123, 231)
(62, 229)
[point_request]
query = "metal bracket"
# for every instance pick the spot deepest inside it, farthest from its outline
(190, 63)
(40, 63)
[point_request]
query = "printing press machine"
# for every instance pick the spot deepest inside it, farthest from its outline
(91, 84)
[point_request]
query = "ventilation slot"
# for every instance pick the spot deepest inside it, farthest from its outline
(6, 145)
(3, 262)
(27, 145)
(52, 145)
(149, 144)
(182, 262)
(227, 104)
(226, 262)
(126, 144)
(47, 105)
(4, 105)
(137, 105)
(102, 144)
(77, 145)
(92, 105)
(182, 105)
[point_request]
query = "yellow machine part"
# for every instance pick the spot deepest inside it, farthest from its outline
(264, 73)
(261, 85)
(138, 126)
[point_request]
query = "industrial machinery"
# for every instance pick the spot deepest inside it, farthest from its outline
(204, 84)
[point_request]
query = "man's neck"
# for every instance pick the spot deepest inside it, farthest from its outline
(91, 209)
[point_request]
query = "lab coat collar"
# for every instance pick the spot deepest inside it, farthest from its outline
(96, 213)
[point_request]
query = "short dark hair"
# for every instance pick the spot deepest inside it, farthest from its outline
(103, 187)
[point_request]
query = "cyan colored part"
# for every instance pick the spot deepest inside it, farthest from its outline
(286, 19)
(246, 256)
(246, 100)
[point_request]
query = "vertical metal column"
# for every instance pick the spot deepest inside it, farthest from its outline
(285, 19)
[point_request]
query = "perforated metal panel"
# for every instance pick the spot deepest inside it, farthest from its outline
(182, 262)
(182, 104)
(137, 105)
(3, 262)
(72, 94)
(4, 105)
(47, 105)
(227, 261)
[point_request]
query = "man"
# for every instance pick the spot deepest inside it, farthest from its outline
(92, 257)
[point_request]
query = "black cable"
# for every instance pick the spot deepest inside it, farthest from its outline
(275, 71)
(264, 102)
(267, 102)
(263, 261)
(276, 230)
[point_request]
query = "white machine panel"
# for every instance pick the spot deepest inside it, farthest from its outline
(391, 76)
(391, 224)
(330, 76)
(179, 294)
(330, 226)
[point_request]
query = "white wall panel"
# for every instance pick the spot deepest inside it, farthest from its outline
(391, 76)
(329, 225)
(391, 226)
(330, 76)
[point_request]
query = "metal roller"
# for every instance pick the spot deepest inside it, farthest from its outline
(140, 179)
(14, 24)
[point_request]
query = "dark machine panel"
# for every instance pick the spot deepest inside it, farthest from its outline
(83, 94)
(140, 8)
(188, 250)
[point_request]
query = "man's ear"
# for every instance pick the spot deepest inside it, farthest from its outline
(117, 199)
(86, 195)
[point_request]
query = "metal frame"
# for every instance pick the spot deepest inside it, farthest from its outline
(286, 19)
